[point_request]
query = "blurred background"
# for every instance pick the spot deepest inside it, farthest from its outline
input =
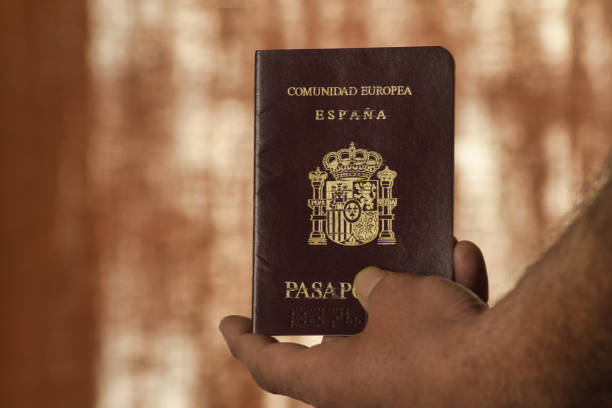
(126, 156)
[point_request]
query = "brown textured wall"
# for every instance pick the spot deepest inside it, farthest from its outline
(48, 296)
(126, 170)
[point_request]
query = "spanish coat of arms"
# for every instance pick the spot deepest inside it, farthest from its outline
(353, 209)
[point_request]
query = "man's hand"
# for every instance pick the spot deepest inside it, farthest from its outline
(430, 342)
(404, 356)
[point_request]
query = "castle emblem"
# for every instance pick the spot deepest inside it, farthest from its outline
(353, 209)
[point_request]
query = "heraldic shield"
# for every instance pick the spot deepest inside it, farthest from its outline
(352, 209)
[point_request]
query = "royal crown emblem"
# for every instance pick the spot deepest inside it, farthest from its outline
(353, 209)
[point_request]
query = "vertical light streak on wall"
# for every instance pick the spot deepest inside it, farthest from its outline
(489, 55)
(110, 26)
(477, 193)
(554, 33)
(330, 24)
(562, 170)
(155, 368)
(389, 23)
(293, 23)
(477, 143)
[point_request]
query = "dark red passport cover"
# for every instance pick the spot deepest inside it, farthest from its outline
(353, 167)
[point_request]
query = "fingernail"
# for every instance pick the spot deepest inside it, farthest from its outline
(366, 280)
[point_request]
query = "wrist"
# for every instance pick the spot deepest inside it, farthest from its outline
(505, 361)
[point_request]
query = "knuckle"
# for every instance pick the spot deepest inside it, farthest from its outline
(425, 284)
(398, 288)
(426, 288)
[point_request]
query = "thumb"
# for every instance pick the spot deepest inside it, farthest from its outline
(365, 282)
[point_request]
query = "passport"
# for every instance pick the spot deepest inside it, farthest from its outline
(353, 167)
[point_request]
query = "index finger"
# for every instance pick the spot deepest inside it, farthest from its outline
(280, 368)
